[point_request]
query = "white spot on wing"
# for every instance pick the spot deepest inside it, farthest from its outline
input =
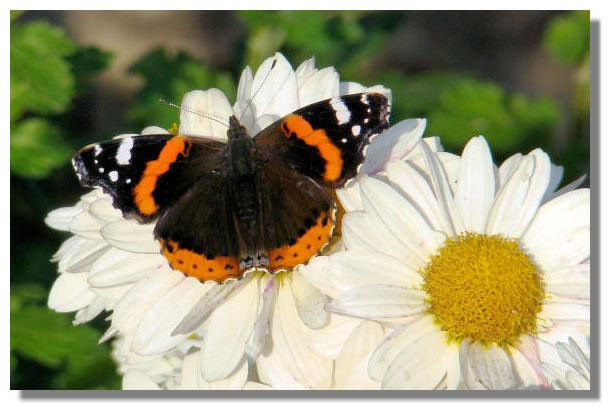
(344, 140)
(364, 99)
(341, 110)
(123, 151)
(101, 170)
(113, 176)
(97, 150)
(128, 181)
(356, 130)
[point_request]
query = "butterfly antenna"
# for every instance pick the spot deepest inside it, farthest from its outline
(193, 111)
(259, 88)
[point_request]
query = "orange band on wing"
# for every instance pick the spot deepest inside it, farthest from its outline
(316, 138)
(196, 265)
(143, 191)
(307, 245)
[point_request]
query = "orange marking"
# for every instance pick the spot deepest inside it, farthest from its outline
(316, 138)
(307, 245)
(196, 265)
(143, 191)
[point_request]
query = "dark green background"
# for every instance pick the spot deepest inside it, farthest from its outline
(519, 78)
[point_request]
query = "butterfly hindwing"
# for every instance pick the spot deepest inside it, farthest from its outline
(146, 174)
(326, 140)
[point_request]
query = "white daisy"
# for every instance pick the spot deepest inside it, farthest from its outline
(476, 268)
(571, 370)
(115, 264)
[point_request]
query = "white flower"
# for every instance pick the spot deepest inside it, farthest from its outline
(115, 264)
(477, 269)
(571, 371)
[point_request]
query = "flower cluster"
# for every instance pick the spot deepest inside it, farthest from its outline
(451, 272)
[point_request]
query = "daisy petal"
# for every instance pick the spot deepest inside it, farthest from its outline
(154, 332)
(153, 130)
(379, 302)
(310, 302)
(60, 219)
(556, 310)
(396, 342)
(402, 220)
(90, 312)
(132, 237)
(570, 282)
(356, 88)
(393, 144)
(317, 85)
(118, 267)
(346, 270)
(351, 364)
(421, 365)
(135, 380)
(350, 196)
(212, 103)
(476, 186)
(558, 236)
(70, 292)
(291, 341)
(518, 200)
(491, 366)
(193, 380)
(228, 330)
(104, 210)
(278, 96)
(83, 254)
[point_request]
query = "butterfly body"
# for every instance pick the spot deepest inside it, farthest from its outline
(252, 202)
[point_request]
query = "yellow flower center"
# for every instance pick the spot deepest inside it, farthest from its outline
(483, 288)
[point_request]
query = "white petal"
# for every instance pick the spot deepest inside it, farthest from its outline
(346, 270)
(193, 380)
(442, 190)
(61, 218)
(476, 186)
(356, 88)
(82, 255)
(573, 185)
(351, 364)
(154, 332)
(245, 85)
(557, 174)
(117, 267)
(228, 330)
(329, 340)
(104, 210)
(491, 366)
(558, 310)
(558, 236)
(400, 217)
(153, 130)
(379, 301)
(130, 309)
(421, 365)
(570, 282)
(507, 168)
(213, 104)
(278, 95)
(90, 312)
(310, 302)
(272, 370)
(317, 85)
(526, 359)
(350, 196)
(417, 190)
(135, 380)
(243, 108)
(290, 339)
(132, 237)
(396, 342)
(393, 144)
(70, 292)
(518, 200)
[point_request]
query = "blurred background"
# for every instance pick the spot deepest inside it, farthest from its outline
(519, 78)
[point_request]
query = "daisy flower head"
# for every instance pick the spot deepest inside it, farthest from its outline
(475, 269)
(165, 318)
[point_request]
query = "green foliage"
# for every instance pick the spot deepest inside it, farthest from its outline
(567, 37)
(47, 70)
(169, 76)
(41, 79)
(37, 147)
(49, 338)
(458, 107)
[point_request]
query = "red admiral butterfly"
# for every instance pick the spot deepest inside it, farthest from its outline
(253, 202)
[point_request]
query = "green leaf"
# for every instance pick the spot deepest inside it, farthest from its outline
(50, 339)
(170, 76)
(15, 14)
(41, 79)
(567, 37)
(37, 148)
(89, 61)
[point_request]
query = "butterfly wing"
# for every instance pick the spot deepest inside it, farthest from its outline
(145, 174)
(297, 216)
(326, 140)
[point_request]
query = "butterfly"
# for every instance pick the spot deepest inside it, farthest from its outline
(225, 208)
